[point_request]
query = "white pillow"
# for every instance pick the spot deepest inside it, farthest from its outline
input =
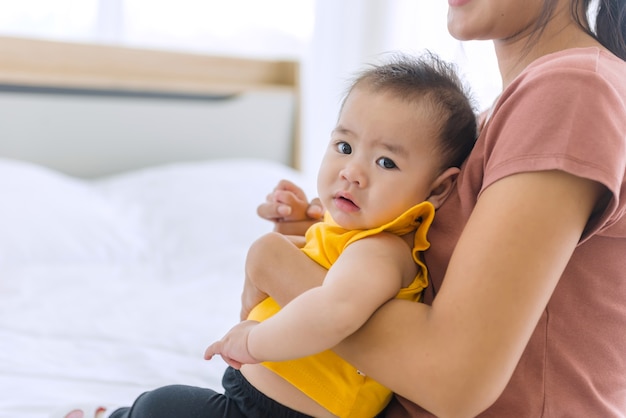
(198, 215)
(49, 218)
(178, 219)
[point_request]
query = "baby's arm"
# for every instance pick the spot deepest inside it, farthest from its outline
(367, 274)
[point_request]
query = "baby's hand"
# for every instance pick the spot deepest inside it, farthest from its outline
(233, 347)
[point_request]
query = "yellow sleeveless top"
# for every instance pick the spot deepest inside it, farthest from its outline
(325, 377)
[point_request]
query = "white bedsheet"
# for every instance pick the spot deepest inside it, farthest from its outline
(113, 287)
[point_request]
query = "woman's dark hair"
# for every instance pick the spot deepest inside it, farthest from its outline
(610, 21)
(610, 24)
(427, 79)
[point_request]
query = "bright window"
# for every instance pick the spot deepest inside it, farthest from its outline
(58, 19)
(239, 27)
(250, 27)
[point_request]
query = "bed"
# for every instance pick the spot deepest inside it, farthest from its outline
(129, 181)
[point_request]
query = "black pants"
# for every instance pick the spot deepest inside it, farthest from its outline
(240, 400)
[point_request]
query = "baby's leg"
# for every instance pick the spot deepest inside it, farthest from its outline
(275, 266)
(180, 401)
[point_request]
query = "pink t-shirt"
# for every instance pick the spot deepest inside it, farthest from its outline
(566, 111)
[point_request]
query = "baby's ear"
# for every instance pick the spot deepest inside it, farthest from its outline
(442, 186)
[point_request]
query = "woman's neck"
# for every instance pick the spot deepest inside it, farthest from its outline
(561, 33)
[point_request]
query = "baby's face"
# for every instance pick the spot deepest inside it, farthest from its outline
(382, 159)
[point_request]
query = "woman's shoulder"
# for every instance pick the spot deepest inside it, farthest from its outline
(593, 59)
(590, 75)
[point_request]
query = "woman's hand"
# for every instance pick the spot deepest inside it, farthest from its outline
(288, 207)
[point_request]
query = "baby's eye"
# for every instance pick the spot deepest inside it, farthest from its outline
(344, 148)
(387, 163)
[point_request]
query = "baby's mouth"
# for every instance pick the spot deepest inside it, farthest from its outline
(345, 203)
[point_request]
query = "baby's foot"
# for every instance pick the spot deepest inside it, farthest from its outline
(79, 413)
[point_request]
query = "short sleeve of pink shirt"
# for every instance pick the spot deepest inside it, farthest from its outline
(541, 123)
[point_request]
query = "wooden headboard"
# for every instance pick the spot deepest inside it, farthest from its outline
(91, 110)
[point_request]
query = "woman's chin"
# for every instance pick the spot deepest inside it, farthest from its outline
(463, 27)
(462, 32)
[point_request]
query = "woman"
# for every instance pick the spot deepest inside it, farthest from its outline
(526, 309)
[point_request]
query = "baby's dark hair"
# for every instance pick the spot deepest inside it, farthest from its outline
(427, 77)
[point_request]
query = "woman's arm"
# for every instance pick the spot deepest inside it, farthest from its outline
(456, 357)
